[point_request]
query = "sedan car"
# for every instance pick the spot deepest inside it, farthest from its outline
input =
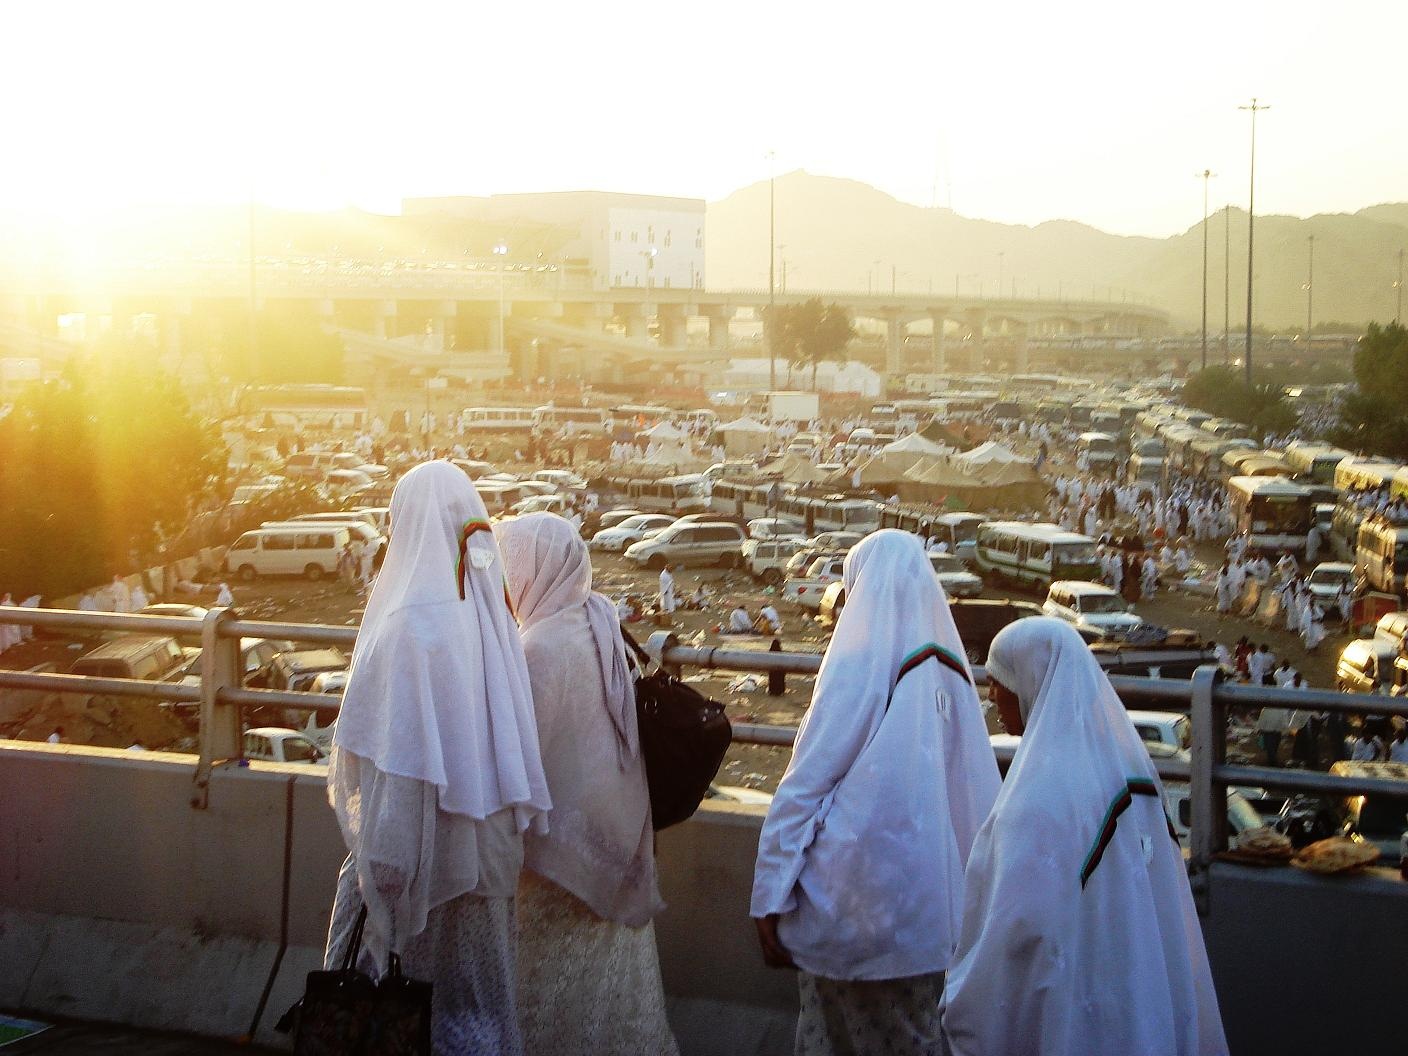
(1095, 610)
(1327, 582)
(954, 576)
(631, 530)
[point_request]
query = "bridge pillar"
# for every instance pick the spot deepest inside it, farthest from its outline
(637, 325)
(673, 326)
(1021, 353)
(938, 360)
(381, 312)
(894, 347)
(719, 319)
(974, 323)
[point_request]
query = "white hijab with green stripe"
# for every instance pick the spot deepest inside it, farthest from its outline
(1079, 934)
(863, 850)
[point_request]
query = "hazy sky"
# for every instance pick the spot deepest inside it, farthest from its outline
(1017, 111)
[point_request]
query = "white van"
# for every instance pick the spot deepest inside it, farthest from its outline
(287, 550)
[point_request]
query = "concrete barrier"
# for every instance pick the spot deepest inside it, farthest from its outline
(119, 902)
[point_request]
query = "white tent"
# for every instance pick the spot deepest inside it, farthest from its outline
(664, 432)
(744, 437)
(990, 452)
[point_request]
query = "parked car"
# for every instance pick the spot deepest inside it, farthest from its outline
(842, 541)
(1393, 627)
(802, 560)
(191, 639)
(807, 590)
(630, 530)
(149, 658)
(540, 504)
(1178, 656)
(1366, 666)
(708, 543)
(290, 550)
(562, 479)
(766, 559)
(474, 470)
(274, 744)
(613, 517)
(1163, 727)
(774, 528)
(298, 668)
(1326, 581)
(1095, 610)
(954, 576)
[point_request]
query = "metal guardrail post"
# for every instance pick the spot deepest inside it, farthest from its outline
(1207, 798)
(221, 735)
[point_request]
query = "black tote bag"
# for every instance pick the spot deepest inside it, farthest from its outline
(683, 738)
(344, 1013)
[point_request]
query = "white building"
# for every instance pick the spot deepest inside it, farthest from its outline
(626, 241)
(851, 377)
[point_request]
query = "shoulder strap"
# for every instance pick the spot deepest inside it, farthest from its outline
(928, 651)
(641, 656)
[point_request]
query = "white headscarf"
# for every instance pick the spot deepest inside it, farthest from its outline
(436, 730)
(865, 843)
(600, 842)
(1079, 933)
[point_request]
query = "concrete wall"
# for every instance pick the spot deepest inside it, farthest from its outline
(120, 902)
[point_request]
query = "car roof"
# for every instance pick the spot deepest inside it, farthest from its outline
(307, 659)
(1082, 586)
(274, 731)
(126, 647)
(1380, 647)
(1386, 771)
(1332, 566)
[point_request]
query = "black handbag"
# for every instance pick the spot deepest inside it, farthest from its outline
(344, 1013)
(683, 738)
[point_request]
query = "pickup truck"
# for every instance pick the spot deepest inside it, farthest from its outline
(806, 590)
(274, 744)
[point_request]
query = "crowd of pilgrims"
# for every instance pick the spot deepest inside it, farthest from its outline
(488, 778)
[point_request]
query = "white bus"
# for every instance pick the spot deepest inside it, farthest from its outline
(1316, 462)
(1381, 555)
(579, 419)
(1275, 513)
(496, 419)
(688, 493)
(1035, 554)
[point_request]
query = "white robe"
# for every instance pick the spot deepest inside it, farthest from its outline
(667, 591)
(865, 843)
(1079, 933)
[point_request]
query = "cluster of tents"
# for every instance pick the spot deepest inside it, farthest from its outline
(922, 470)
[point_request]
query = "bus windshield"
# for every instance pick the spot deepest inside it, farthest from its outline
(1289, 514)
(1075, 553)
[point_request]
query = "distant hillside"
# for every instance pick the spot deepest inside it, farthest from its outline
(834, 231)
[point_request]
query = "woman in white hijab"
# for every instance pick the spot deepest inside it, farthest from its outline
(859, 879)
(1079, 934)
(435, 772)
(589, 975)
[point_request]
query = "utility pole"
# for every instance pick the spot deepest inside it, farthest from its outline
(1227, 285)
(1310, 292)
(1206, 175)
(253, 301)
(1398, 313)
(1254, 108)
(772, 254)
(1001, 260)
(892, 280)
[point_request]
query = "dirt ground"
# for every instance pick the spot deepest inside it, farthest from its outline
(120, 724)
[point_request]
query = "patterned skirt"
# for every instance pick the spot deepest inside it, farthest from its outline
(586, 985)
(466, 953)
(863, 1018)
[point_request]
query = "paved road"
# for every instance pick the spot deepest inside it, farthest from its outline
(81, 1039)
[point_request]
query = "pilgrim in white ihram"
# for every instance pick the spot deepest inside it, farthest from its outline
(859, 878)
(435, 770)
(589, 975)
(1079, 934)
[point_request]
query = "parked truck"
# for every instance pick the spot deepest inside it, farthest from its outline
(786, 406)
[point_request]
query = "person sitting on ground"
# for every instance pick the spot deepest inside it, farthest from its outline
(1079, 934)
(771, 620)
(739, 622)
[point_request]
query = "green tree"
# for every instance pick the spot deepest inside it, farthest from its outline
(809, 334)
(1261, 406)
(1374, 419)
(95, 468)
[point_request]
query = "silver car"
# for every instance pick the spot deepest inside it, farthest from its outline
(709, 543)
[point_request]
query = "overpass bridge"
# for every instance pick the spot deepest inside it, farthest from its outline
(468, 306)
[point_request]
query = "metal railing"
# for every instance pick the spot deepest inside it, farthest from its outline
(1205, 698)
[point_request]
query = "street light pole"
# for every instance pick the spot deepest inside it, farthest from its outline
(1255, 108)
(1227, 285)
(1310, 292)
(772, 254)
(1206, 175)
(1398, 313)
(501, 251)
